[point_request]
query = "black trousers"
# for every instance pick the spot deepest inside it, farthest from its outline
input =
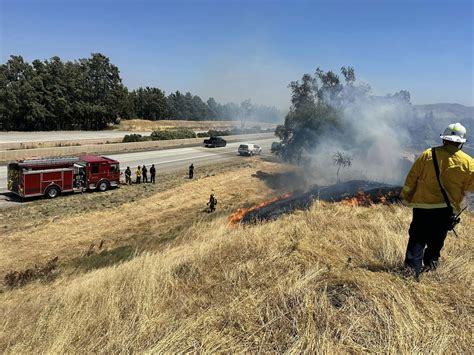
(152, 178)
(428, 229)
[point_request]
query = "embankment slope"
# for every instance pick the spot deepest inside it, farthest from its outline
(326, 279)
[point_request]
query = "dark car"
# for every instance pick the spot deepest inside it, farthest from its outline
(214, 142)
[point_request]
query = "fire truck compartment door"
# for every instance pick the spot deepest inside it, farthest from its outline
(32, 184)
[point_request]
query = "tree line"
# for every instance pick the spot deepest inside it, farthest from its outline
(88, 94)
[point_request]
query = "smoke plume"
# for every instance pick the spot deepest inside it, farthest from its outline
(375, 134)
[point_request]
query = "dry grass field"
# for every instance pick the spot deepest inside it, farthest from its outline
(172, 278)
(146, 125)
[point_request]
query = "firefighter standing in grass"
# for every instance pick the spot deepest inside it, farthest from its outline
(212, 203)
(145, 173)
(432, 213)
(152, 173)
(128, 176)
(191, 171)
(138, 174)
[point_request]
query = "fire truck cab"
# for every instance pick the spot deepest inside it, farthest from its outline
(52, 176)
(100, 172)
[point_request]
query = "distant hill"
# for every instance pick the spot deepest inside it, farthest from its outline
(447, 111)
(434, 118)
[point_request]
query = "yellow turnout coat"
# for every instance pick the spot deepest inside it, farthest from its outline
(421, 188)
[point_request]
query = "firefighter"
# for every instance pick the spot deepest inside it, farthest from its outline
(128, 176)
(432, 213)
(212, 203)
(138, 174)
(82, 179)
(191, 171)
(145, 173)
(152, 173)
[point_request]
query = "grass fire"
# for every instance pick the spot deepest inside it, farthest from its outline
(350, 193)
(325, 278)
(236, 177)
(242, 212)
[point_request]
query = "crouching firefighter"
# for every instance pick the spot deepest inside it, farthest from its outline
(435, 187)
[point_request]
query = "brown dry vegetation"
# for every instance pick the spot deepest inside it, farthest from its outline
(146, 125)
(325, 280)
(138, 217)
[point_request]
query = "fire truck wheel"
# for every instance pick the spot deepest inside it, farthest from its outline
(52, 192)
(103, 186)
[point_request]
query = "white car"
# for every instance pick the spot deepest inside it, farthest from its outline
(249, 149)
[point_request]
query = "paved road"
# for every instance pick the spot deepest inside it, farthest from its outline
(164, 160)
(23, 137)
(28, 137)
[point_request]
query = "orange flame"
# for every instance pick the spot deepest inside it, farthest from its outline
(241, 212)
(360, 199)
(363, 200)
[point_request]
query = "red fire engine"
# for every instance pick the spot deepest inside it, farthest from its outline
(53, 176)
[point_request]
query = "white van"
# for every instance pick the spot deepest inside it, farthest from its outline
(249, 149)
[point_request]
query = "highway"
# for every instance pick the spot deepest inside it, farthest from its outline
(176, 159)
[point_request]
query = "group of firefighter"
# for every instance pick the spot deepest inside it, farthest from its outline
(141, 175)
(140, 172)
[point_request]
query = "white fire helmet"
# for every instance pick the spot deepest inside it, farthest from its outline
(455, 132)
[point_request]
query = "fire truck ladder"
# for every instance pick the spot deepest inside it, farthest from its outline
(57, 160)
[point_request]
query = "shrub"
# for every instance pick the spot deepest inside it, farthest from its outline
(134, 138)
(21, 278)
(233, 132)
(215, 133)
(180, 133)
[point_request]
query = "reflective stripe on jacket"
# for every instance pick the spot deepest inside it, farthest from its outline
(456, 168)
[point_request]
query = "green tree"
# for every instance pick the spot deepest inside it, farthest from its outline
(127, 105)
(214, 108)
(102, 92)
(317, 104)
(20, 94)
(149, 103)
(310, 115)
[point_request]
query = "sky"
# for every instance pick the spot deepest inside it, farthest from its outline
(236, 49)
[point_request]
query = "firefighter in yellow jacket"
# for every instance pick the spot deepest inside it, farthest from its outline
(422, 191)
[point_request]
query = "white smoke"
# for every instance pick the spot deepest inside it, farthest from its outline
(375, 137)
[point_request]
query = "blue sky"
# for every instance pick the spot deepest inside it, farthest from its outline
(233, 50)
